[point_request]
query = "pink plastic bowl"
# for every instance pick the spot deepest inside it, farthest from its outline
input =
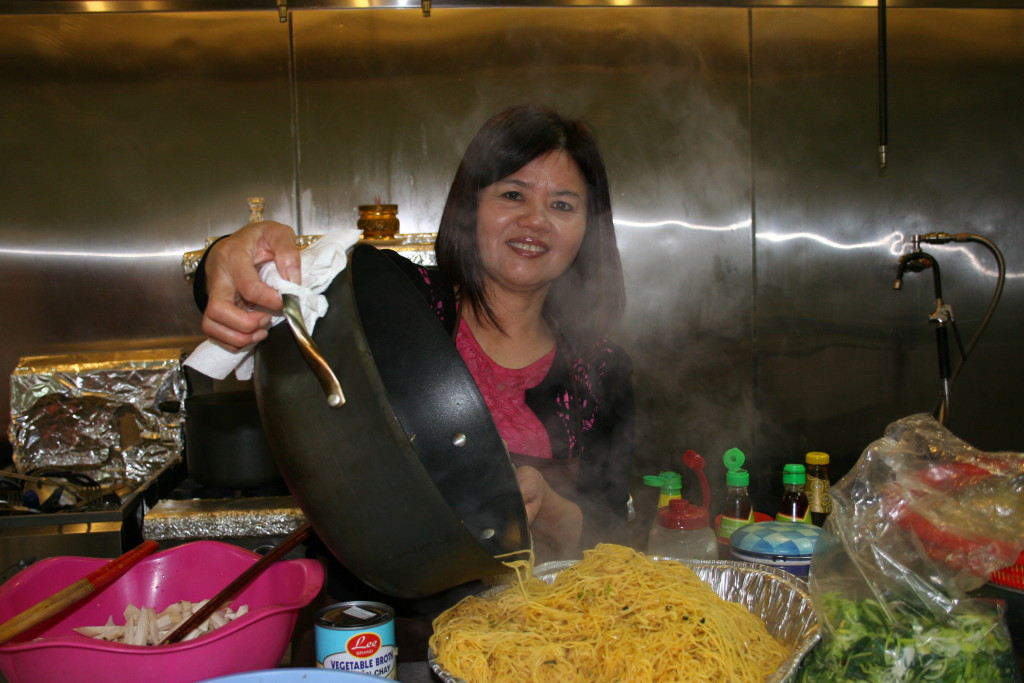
(194, 571)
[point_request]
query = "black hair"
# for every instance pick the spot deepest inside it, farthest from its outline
(586, 301)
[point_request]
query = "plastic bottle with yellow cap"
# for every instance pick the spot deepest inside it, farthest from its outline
(817, 486)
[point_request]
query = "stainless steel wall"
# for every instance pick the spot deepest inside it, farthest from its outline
(839, 351)
(759, 236)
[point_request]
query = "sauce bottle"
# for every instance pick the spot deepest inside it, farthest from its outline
(817, 487)
(682, 530)
(794, 506)
(738, 508)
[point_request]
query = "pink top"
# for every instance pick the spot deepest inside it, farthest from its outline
(504, 391)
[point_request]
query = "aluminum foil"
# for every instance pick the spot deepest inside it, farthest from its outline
(780, 599)
(418, 247)
(195, 519)
(190, 259)
(114, 415)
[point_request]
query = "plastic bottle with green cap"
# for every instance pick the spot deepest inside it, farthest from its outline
(738, 508)
(669, 485)
(682, 529)
(794, 507)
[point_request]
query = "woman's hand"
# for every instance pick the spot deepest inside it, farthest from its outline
(237, 313)
(556, 523)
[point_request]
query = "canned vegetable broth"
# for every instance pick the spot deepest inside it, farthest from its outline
(358, 637)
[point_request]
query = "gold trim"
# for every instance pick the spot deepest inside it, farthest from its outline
(423, 241)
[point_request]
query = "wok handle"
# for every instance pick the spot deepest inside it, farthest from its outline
(328, 381)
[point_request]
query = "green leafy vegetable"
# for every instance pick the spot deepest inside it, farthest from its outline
(868, 646)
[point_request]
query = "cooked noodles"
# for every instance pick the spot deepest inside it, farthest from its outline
(617, 615)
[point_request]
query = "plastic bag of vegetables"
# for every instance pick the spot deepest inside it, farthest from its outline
(921, 520)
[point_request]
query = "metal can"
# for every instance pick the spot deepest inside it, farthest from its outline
(357, 636)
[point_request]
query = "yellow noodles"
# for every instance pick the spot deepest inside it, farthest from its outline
(615, 616)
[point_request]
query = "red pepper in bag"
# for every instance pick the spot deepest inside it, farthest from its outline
(920, 520)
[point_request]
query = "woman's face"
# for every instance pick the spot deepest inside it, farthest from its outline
(530, 225)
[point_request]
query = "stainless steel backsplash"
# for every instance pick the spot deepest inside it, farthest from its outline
(759, 235)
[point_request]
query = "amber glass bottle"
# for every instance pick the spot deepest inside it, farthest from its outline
(817, 487)
(794, 506)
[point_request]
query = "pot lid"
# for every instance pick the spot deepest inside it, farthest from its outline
(791, 539)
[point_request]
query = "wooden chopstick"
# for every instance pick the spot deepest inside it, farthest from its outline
(239, 584)
(62, 599)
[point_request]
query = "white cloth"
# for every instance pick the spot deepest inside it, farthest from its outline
(321, 262)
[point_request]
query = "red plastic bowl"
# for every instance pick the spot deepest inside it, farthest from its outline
(53, 651)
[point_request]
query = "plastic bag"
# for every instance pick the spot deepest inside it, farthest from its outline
(921, 519)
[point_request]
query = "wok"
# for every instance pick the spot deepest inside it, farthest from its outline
(405, 479)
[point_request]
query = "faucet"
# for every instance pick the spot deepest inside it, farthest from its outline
(916, 262)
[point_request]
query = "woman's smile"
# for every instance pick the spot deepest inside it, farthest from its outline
(528, 245)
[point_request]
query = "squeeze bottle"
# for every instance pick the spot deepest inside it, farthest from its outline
(682, 530)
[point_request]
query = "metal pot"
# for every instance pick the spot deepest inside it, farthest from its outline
(406, 481)
(225, 445)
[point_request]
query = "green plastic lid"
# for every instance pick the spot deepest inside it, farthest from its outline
(794, 474)
(735, 475)
(669, 482)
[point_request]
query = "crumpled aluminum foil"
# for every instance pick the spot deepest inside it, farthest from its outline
(418, 248)
(780, 599)
(197, 519)
(114, 415)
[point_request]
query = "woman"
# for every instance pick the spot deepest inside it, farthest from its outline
(528, 282)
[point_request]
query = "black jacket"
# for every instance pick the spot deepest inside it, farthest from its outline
(587, 407)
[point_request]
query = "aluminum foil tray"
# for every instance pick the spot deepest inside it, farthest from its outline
(113, 414)
(780, 599)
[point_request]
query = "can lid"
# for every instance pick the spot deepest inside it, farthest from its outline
(817, 458)
(354, 614)
(794, 474)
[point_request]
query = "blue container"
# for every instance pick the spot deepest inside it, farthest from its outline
(294, 676)
(358, 637)
(784, 545)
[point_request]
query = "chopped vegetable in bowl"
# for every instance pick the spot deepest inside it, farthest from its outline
(143, 626)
